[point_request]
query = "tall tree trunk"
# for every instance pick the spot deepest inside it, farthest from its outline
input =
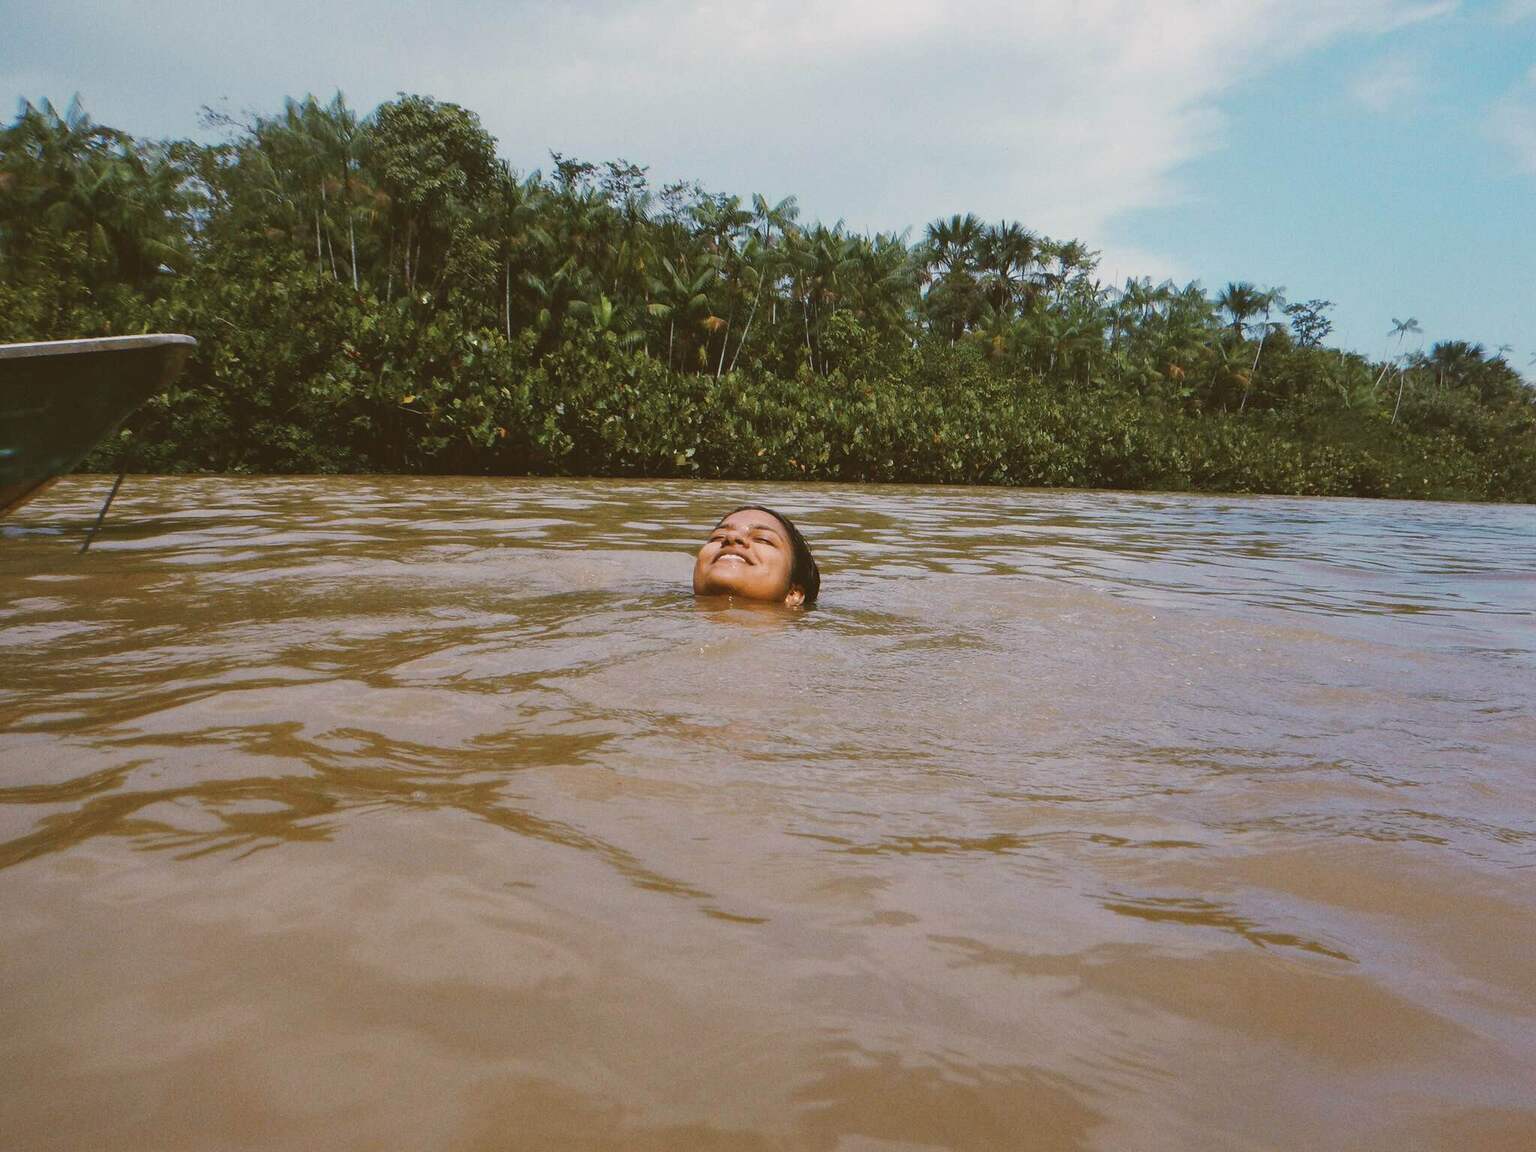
(442, 272)
(1252, 371)
(805, 311)
(405, 275)
(1399, 403)
(330, 248)
(747, 328)
(351, 209)
(725, 342)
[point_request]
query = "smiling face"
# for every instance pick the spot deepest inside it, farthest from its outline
(747, 555)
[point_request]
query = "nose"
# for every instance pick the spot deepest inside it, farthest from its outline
(735, 536)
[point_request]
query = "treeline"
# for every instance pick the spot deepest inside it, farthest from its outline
(384, 293)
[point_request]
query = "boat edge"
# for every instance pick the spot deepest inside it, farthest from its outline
(99, 344)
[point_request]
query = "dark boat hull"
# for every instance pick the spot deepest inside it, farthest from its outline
(61, 398)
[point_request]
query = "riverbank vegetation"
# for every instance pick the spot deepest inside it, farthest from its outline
(383, 293)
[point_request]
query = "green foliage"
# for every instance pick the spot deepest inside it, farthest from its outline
(381, 293)
(1310, 323)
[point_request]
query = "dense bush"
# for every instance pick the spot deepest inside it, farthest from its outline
(383, 295)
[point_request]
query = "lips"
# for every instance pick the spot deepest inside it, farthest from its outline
(736, 556)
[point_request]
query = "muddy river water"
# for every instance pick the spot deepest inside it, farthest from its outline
(435, 814)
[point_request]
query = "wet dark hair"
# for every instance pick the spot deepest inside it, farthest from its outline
(803, 573)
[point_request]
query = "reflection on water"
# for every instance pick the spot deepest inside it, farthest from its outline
(400, 813)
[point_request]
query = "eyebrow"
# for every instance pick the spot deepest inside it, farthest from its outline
(751, 529)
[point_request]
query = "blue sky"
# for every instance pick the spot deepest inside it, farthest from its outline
(1377, 173)
(1377, 153)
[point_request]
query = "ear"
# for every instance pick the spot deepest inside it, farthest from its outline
(795, 596)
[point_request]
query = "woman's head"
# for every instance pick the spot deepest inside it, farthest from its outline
(757, 554)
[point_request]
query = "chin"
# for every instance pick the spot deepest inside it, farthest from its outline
(724, 588)
(712, 585)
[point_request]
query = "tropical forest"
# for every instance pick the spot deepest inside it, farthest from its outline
(383, 293)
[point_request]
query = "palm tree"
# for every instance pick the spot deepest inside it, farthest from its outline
(1240, 300)
(294, 146)
(1269, 299)
(950, 257)
(1454, 360)
(994, 328)
(723, 225)
(1401, 329)
(343, 142)
(885, 282)
(556, 293)
(763, 256)
(681, 294)
(953, 245)
(607, 318)
(63, 175)
(1007, 254)
(515, 221)
(1136, 303)
(822, 259)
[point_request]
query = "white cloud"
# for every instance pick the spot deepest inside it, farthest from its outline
(1407, 14)
(1511, 121)
(1389, 83)
(1516, 11)
(1119, 262)
(1512, 124)
(890, 112)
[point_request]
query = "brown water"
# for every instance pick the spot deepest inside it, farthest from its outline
(433, 814)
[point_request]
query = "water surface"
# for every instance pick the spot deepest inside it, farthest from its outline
(433, 814)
